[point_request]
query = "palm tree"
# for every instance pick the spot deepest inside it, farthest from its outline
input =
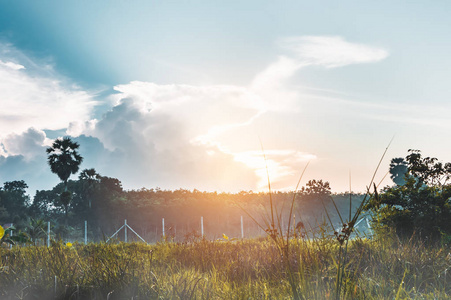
(36, 230)
(64, 160)
(90, 180)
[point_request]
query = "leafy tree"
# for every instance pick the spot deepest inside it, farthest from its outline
(89, 174)
(421, 206)
(43, 205)
(110, 203)
(313, 197)
(316, 191)
(14, 201)
(398, 169)
(47, 203)
(15, 186)
(428, 170)
(64, 160)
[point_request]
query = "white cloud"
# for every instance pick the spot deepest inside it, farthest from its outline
(198, 136)
(153, 148)
(23, 157)
(37, 97)
(11, 65)
(172, 135)
(272, 84)
(276, 73)
(193, 110)
(332, 51)
(30, 143)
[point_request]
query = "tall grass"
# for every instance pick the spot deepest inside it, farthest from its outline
(272, 225)
(247, 269)
(297, 277)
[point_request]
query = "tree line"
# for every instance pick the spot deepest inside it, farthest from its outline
(104, 204)
(418, 203)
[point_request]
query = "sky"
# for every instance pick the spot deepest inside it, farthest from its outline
(215, 95)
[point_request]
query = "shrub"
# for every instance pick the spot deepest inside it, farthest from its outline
(421, 206)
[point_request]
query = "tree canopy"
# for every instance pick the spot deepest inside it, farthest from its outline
(398, 169)
(421, 206)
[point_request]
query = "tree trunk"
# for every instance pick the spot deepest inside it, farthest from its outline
(66, 208)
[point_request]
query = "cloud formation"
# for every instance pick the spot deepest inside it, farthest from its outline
(272, 84)
(33, 95)
(173, 135)
(11, 65)
(153, 148)
(29, 144)
(332, 51)
(22, 157)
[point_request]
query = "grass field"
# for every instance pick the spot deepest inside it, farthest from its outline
(248, 269)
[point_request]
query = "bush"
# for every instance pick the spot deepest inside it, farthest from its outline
(421, 206)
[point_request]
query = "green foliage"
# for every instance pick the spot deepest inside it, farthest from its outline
(316, 189)
(89, 180)
(11, 239)
(420, 206)
(14, 203)
(36, 230)
(398, 169)
(312, 198)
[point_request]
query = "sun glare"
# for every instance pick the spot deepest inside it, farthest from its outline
(280, 166)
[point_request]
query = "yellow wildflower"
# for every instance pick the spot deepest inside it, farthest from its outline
(2, 232)
(224, 236)
(69, 244)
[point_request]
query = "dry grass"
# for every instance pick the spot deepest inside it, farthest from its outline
(249, 269)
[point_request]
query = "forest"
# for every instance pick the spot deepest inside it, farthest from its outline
(104, 204)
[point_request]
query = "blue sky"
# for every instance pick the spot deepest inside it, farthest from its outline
(178, 94)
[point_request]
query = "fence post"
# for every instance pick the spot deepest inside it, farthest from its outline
(242, 228)
(162, 225)
(86, 232)
(202, 225)
(11, 245)
(125, 230)
(48, 234)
